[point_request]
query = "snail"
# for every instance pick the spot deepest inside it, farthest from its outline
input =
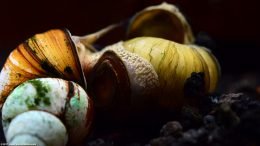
(133, 75)
(163, 21)
(54, 53)
(50, 54)
(174, 63)
(149, 70)
(68, 106)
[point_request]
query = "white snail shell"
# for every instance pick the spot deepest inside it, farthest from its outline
(64, 99)
(37, 127)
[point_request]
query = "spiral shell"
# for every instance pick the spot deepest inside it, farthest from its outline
(36, 127)
(175, 64)
(64, 99)
(163, 21)
(148, 70)
(50, 54)
(120, 84)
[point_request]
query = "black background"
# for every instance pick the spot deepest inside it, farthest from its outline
(233, 25)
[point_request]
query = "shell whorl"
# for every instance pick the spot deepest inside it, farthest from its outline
(134, 75)
(64, 99)
(174, 63)
(37, 127)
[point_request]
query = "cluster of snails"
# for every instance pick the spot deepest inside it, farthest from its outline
(55, 81)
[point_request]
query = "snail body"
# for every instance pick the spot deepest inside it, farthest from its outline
(64, 99)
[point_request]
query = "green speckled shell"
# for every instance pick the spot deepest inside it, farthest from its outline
(64, 99)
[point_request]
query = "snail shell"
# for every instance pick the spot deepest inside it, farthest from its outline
(37, 127)
(120, 80)
(50, 54)
(163, 21)
(64, 99)
(175, 64)
(148, 69)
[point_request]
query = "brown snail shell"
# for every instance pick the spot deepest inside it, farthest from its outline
(49, 54)
(54, 53)
(163, 21)
(120, 80)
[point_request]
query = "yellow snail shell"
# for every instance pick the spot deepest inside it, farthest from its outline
(174, 63)
(49, 54)
(164, 66)
(163, 21)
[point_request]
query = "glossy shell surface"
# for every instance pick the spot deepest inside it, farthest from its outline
(50, 54)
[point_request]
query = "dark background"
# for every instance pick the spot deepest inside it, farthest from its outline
(232, 25)
(229, 27)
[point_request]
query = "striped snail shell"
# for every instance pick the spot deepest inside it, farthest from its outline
(49, 54)
(148, 69)
(65, 100)
(175, 65)
(163, 21)
(54, 53)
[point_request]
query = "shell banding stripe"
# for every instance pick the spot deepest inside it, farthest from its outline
(50, 54)
(30, 59)
(174, 63)
(53, 43)
(167, 58)
(71, 90)
(13, 74)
